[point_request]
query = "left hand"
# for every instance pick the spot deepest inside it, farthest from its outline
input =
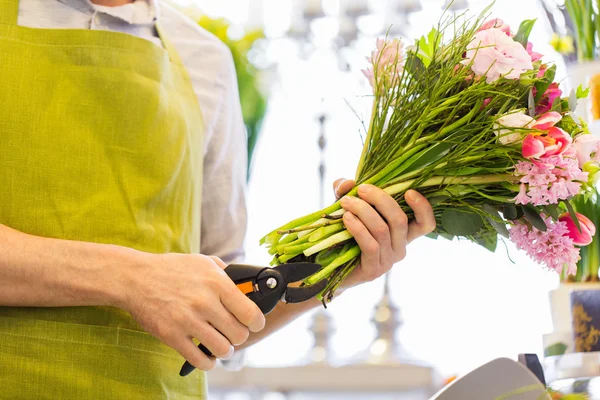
(380, 227)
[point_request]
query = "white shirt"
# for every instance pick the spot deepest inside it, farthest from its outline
(212, 72)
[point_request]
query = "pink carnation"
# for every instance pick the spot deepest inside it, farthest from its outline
(495, 55)
(496, 23)
(554, 247)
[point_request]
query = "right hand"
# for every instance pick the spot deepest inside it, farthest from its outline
(177, 297)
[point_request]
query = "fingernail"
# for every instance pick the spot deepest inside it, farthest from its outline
(412, 196)
(337, 188)
(229, 354)
(349, 216)
(346, 200)
(364, 188)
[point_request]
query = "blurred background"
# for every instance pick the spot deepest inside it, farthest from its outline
(449, 307)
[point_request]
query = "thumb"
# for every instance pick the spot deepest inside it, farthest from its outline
(342, 186)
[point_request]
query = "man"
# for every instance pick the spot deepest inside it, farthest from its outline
(121, 144)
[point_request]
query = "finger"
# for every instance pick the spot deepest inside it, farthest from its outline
(213, 340)
(367, 243)
(242, 308)
(219, 262)
(424, 222)
(342, 186)
(194, 355)
(229, 326)
(396, 220)
(370, 218)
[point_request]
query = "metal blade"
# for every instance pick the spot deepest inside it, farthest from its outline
(295, 272)
(300, 294)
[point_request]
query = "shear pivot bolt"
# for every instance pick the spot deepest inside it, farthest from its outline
(271, 283)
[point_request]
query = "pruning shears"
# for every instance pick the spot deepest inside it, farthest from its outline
(267, 286)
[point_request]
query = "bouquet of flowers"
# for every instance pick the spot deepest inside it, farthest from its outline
(471, 117)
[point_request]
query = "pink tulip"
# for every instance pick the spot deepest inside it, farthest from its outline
(546, 121)
(496, 23)
(550, 95)
(581, 237)
(546, 144)
(587, 148)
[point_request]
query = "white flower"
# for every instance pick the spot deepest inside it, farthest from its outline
(515, 119)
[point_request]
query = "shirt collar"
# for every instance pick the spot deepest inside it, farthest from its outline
(141, 12)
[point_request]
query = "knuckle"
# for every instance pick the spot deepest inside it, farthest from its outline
(372, 248)
(204, 363)
(400, 219)
(381, 230)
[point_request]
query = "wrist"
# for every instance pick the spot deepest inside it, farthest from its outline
(122, 266)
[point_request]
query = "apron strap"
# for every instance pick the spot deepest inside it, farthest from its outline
(9, 12)
(173, 55)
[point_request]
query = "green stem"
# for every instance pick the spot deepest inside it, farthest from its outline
(353, 252)
(330, 241)
(451, 180)
(367, 143)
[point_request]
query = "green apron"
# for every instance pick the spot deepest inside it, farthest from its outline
(100, 141)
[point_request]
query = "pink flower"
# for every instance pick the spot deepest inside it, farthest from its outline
(546, 144)
(549, 140)
(387, 63)
(496, 23)
(534, 56)
(522, 197)
(587, 148)
(542, 71)
(550, 180)
(495, 55)
(552, 93)
(581, 237)
(503, 125)
(554, 247)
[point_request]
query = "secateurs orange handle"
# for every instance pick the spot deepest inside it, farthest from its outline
(267, 286)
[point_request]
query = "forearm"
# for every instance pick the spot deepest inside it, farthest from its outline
(44, 272)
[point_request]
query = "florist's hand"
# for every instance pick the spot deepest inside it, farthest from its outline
(380, 227)
(177, 297)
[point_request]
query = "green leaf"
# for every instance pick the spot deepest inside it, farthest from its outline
(556, 349)
(432, 235)
(551, 210)
(543, 84)
(461, 222)
(465, 171)
(414, 65)
(572, 214)
(524, 31)
(434, 153)
(488, 240)
(572, 101)
(426, 47)
(496, 220)
(534, 218)
(531, 104)
(582, 93)
(511, 212)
